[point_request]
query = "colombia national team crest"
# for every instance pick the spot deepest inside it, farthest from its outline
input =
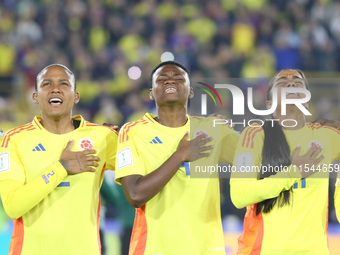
(200, 132)
(312, 142)
(85, 144)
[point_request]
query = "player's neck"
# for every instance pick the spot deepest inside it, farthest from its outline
(172, 117)
(61, 125)
(292, 113)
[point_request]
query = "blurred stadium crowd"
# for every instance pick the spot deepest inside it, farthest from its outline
(101, 40)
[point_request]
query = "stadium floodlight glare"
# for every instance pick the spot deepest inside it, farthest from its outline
(134, 72)
(167, 56)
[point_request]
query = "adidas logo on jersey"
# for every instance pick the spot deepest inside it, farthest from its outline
(39, 148)
(156, 140)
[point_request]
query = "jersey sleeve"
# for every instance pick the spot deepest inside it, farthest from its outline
(128, 162)
(11, 165)
(229, 143)
(17, 195)
(111, 150)
(246, 188)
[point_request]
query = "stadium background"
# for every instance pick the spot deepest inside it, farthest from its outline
(101, 40)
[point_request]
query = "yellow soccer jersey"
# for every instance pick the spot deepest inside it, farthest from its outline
(66, 221)
(184, 217)
(300, 227)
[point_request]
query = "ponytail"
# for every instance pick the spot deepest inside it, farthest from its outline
(275, 152)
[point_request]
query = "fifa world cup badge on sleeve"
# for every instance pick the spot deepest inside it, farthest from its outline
(244, 162)
(4, 162)
(124, 158)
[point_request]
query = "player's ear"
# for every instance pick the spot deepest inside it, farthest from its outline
(35, 98)
(151, 95)
(76, 97)
(191, 93)
(269, 104)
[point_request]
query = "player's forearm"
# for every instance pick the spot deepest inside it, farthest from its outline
(140, 189)
(18, 198)
(246, 192)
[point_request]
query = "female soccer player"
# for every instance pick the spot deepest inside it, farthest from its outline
(286, 211)
(51, 171)
(176, 214)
